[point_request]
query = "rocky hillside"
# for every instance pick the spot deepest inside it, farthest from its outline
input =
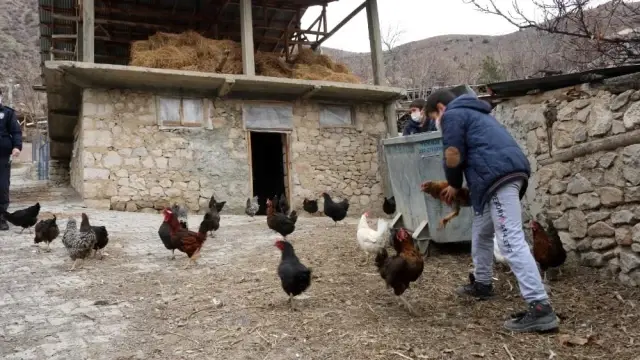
(19, 36)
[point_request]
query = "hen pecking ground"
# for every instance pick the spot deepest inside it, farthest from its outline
(137, 304)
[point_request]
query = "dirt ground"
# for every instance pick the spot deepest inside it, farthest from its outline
(138, 304)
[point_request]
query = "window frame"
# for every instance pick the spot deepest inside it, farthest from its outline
(352, 115)
(182, 123)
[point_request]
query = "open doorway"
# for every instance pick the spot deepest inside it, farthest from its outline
(269, 166)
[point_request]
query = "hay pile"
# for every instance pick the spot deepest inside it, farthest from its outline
(192, 51)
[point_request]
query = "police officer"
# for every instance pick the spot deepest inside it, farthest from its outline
(10, 146)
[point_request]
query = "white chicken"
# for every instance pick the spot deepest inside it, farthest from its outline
(371, 241)
(497, 255)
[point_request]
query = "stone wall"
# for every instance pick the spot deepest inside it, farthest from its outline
(130, 163)
(590, 187)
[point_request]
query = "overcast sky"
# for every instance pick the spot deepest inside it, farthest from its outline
(418, 18)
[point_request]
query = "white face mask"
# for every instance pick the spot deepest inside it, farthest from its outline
(438, 124)
(415, 116)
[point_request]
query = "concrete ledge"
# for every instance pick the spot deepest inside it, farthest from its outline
(91, 75)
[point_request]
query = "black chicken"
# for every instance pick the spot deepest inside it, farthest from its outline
(102, 239)
(310, 206)
(336, 211)
(389, 205)
(211, 220)
(217, 205)
(294, 276)
(293, 216)
(279, 222)
(46, 231)
(25, 218)
(283, 204)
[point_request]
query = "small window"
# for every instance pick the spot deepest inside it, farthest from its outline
(268, 116)
(180, 112)
(336, 116)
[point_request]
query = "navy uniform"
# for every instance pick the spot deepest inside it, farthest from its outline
(10, 138)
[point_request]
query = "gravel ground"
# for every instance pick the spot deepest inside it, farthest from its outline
(138, 304)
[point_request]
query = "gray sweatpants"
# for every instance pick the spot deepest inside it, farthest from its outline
(503, 213)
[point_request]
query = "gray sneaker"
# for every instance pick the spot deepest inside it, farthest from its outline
(539, 317)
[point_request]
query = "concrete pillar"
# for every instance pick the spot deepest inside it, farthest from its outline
(375, 42)
(246, 32)
(88, 31)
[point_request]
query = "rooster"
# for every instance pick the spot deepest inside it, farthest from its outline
(371, 241)
(46, 231)
(294, 276)
(434, 188)
(252, 206)
(547, 247)
(79, 242)
(404, 267)
(102, 239)
(336, 211)
(24, 218)
(279, 222)
(310, 206)
(218, 205)
(389, 205)
(188, 242)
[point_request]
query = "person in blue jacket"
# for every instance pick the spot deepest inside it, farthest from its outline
(10, 145)
(419, 122)
(477, 146)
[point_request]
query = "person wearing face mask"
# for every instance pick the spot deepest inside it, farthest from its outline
(419, 123)
(497, 172)
(10, 146)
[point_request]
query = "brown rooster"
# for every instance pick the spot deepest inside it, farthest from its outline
(279, 222)
(434, 188)
(188, 242)
(547, 247)
(404, 267)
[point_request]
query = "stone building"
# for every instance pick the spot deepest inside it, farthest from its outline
(583, 143)
(136, 139)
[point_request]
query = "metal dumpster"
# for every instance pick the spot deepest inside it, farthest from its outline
(412, 160)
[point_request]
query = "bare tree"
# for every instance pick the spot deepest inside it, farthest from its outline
(390, 41)
(594, 36)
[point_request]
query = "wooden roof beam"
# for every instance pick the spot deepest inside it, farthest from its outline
(342, 23)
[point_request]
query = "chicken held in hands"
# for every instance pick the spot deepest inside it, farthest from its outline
(79, 242)
(46, 231)
(336, 211)
(279, 222)
(435, 188)
(294, 276)
(24, 218)
(405, 267)
(371, 241)
(547, 247)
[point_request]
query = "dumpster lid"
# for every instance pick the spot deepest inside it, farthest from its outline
(412, 138)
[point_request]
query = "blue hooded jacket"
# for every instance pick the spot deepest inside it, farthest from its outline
(411, 127)
(475, 143)
(10, 132)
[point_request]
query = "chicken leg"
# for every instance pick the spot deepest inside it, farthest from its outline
(408, 306)
(173, 255)
(75, 262)
(48, 249)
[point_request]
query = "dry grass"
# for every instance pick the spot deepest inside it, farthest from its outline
(236, 308)
(191, 51)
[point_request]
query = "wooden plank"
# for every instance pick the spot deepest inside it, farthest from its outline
(341, 24)
(246, 39)
(88, 31)
(375, 41)
(226, 87)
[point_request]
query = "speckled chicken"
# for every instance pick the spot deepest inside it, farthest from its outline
(252, 206)
(79, 242)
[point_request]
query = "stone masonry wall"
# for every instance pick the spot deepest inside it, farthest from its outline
(130, 164)
(593, 198)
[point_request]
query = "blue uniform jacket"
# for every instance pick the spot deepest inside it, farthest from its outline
(476, 144)
(10, 132)
(411, 127)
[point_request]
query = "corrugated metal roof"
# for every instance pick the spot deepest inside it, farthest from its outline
(131, 17)
(548, 83)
